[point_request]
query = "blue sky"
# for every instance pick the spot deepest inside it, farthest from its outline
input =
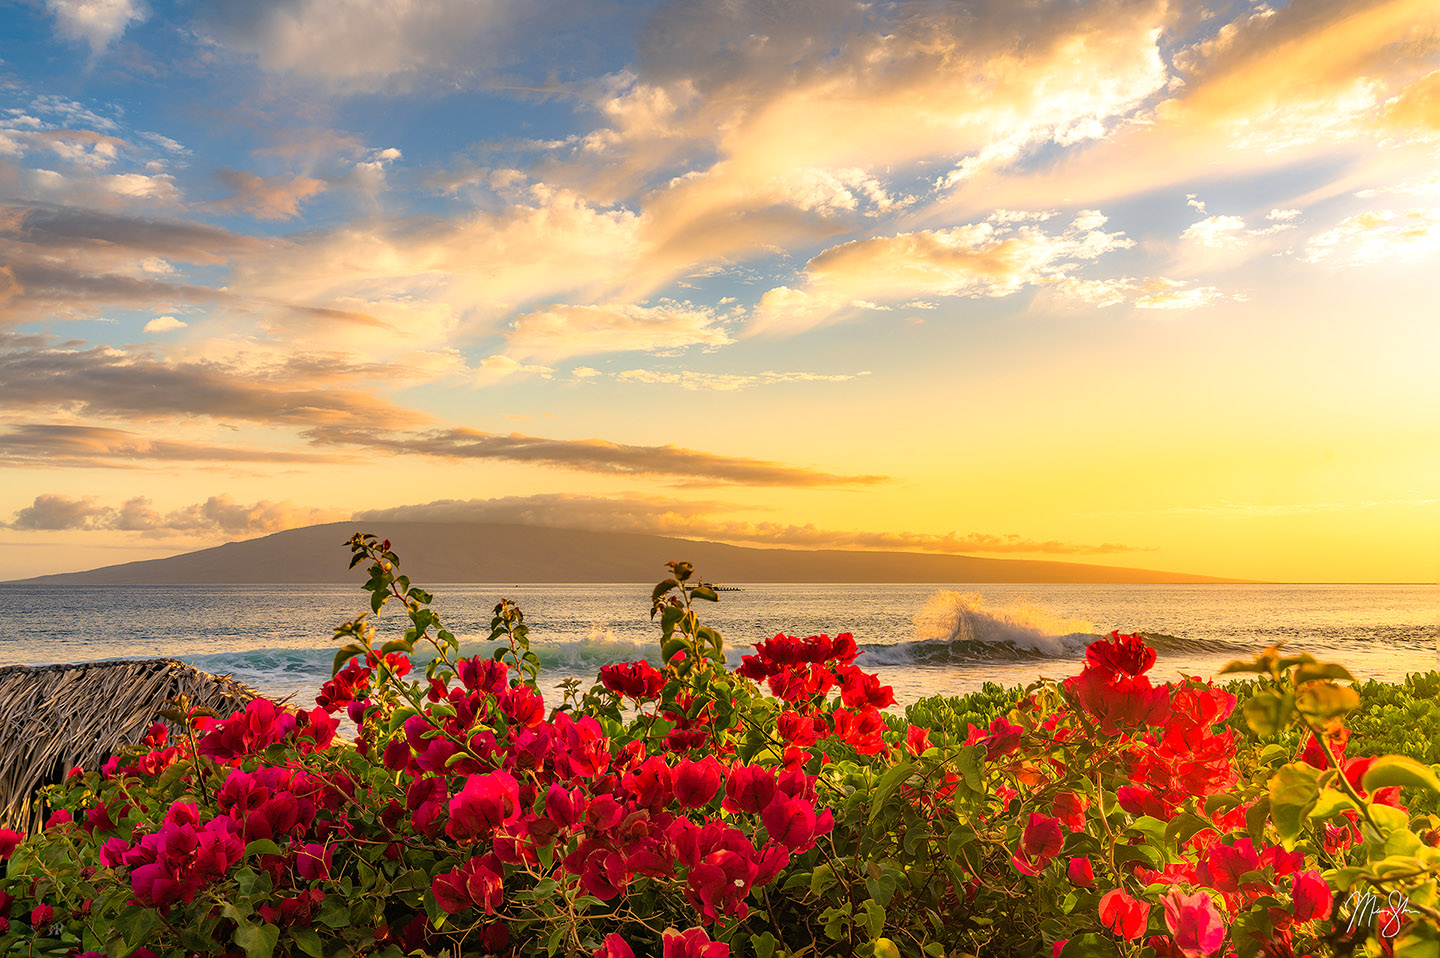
(905, 275)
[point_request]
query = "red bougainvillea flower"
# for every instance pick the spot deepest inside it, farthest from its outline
(1120, 653)
(917, 739)
(637, 680)
(1313, 899)
(43, 914)
(476, 884)
(9, 841)
(485, 803)
(749, 788)
(859, 689)
(614, 947)
(861, 730)
(1069, 808)
(483, 674)
(1139, 800)
(1124, 915)
(1196, 927)
(1081, 872)
(1001, 739)
(1039, 843)
(1225, 865)
(793, 823)
(694, 943)
(697, 782)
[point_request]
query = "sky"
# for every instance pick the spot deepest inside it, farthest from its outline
(1127, 282)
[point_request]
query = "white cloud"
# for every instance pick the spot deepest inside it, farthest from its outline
(987, 259)
(1377, 236)
(164, 324)
(728, 382)
(1217, 232)
(556, 332)
(97, 22)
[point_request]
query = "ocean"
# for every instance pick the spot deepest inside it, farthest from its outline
(922, 639)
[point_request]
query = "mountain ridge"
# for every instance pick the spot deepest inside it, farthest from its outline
(440, 552)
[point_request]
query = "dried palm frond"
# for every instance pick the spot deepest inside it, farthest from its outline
(56, 717)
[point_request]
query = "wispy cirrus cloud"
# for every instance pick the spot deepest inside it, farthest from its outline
(599, 456)
(65, 445)
(111, 383)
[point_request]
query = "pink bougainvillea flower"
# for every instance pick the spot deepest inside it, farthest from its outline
(1196, 927)
(563, 806)
(694, 943)
(313, 861)
(1124, 915)
(9, 841)
(1081, 872)
(614, 947)
(1313, 899)
(483, 804)
(43, 914)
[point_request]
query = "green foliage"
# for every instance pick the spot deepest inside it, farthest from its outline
(468, 819)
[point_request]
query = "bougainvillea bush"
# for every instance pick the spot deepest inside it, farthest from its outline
(692, 811)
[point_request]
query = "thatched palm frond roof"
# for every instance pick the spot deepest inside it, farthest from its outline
(55, 717)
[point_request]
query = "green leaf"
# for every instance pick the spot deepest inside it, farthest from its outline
(763, 944)
(308, 941)
(661, 588)
(344, 654)
(1320, 702)
(262, 846)
(1294, 790)
(1330, 804)
(257, 940)
(1317, 671)
(1388, 770)
(704, 592)
(1089, 946)
(1184, 827)
(137, 924)
(885, 948)
(886, 787)
(335, 913)
(873, 917)
(1266, 712)
(821, 878)
(970, 761)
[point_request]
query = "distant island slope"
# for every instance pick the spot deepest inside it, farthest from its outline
(433, 553)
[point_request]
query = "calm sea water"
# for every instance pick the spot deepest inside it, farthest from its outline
(923, 639)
